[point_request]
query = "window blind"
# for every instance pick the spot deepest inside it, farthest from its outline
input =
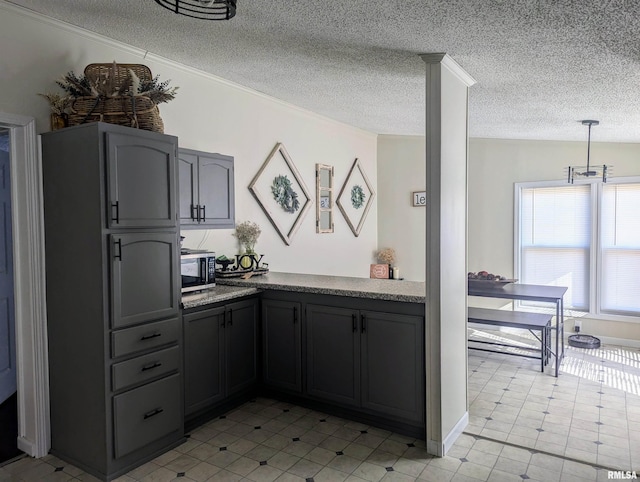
(555, 239)
(620, 249)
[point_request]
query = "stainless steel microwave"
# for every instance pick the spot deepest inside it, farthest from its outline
(198, 270)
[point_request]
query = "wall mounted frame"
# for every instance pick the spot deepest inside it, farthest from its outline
(356, 197)
(324, 197)
(281, 193)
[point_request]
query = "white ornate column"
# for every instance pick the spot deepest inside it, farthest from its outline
(447, 94)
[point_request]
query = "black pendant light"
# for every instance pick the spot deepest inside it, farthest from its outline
(202, 9)
(587, 172)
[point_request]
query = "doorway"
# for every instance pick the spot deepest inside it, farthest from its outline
(8, 380)
(29, 298)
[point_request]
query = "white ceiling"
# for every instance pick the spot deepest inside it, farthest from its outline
(541, 65)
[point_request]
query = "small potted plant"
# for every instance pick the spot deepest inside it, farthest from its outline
(247, 234)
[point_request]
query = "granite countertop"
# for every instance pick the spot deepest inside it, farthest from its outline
(379, 289)
(215, 295)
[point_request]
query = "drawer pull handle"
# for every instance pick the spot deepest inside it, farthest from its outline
(354, 323)
(363, 319)
(148, 337)
(204, 214)
(153, 413)
(295, 314)
(151, 366)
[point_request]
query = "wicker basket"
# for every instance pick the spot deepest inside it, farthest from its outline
(138, 111)
(117, 73)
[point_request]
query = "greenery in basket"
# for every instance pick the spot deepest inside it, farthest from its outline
(247, 233)
(75, 86)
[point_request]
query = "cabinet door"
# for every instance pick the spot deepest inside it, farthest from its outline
(216, 191)
(141, 174)
(393, 364)
(188, 191)
(333, 354)
(203, 359)
(282, 344)
(144, 277)
(241, 369)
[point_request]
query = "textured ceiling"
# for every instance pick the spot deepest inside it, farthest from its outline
(541, 65)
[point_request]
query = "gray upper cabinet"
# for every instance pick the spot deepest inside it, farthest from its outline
(282, 344)
(141, 179)
(143, 277)
(207, 197)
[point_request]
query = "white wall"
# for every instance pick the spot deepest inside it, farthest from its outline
(401, 171)
(494, 166)
(212, 115)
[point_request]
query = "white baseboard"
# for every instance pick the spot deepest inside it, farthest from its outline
(26, 446)
(440, 449)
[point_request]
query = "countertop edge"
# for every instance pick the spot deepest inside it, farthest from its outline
(315, 288)
(214, 296)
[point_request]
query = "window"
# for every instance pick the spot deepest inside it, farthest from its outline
(585, 237)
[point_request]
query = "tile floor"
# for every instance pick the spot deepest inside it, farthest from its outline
(524, 425)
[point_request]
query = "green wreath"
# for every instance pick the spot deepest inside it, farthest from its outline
(284, 194)
(357, 196)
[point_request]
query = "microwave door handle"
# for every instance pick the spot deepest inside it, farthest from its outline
(203, 269)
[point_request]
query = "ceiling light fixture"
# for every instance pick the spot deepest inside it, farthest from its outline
(203, 9)
(577, 173)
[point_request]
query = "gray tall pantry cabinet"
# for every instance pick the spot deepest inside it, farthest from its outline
(113, 306)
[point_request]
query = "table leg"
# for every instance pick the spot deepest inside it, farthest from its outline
(559, 335)
(543, 347)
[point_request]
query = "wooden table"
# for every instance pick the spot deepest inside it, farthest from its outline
(525, 292)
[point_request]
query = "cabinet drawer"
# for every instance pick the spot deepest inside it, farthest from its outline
(146, 414)
(150, 335)
(145, 367)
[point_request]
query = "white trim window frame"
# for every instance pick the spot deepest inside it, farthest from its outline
(607, 240)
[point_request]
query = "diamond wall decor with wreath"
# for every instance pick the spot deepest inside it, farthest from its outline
(356, 197)
(281, 193)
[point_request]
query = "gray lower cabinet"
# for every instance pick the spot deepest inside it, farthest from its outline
(393, 365)
(207, 198)
(113, 313)
(366, 359)
(220, 354)
(333, 354)
(282, 344)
